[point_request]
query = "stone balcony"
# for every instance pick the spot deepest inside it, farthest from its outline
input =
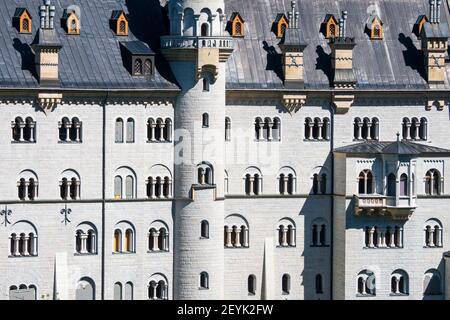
(380, 205)
(179, 42)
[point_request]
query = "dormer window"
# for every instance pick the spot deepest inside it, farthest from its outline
(237, 25)
(421, 20)
(375, 27)
(22, 20)
(71, 22)
(330, 27)
(119, 23)
(280, 25)
(138, 58)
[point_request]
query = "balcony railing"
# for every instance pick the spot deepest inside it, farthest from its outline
(380, 205)
(179, 42)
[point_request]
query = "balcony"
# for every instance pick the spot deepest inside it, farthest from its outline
(179, 42)
(379, 205)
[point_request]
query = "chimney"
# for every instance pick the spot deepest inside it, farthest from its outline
(434, 45)
(342, 57)
(343, 80)
(46, 46)
(292, 46)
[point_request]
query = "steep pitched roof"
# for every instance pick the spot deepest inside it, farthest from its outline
(91, 60)
(392, 63)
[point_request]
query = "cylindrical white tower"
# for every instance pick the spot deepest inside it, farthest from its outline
(197, 51)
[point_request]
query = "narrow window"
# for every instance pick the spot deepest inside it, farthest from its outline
(391, 185)
(118, 187)
(205, 120)
(138, 67)
(251, 284)
(204, 280)
(204, 229)
(227, 129)
(205, 30)
(206, 84)
(129, 182)
(319, 284)
(117, 291)
(148, 66)
(403, 185)
(118, 131)
(286, 284)
(130, 130)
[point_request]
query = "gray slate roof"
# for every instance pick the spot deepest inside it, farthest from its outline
(392, 147)
(393, 63)
(91, 60)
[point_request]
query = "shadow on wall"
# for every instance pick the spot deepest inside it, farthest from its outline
(27, 56)
(273, 60)
(317, 245)
(412, 56)
(148, 21)
(323, 63)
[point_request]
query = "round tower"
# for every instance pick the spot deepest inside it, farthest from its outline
(197, 49)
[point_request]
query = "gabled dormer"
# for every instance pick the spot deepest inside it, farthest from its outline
(71, 22)
(374, 27)
(421, 20)
(330, 27)
(280, 25)
(119, 22)
(22, 20)
(236, 25)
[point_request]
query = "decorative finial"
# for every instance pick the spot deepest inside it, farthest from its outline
(398, 136)
(47, 15)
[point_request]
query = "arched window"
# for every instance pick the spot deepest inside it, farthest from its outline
(23, 292)
(204, 229)
(308, 128)
(205, 174)
(366, 182)
(375, 129)
(319, 284)
(148, 67)
(433, 182)
(205, 120)
(316, 129)
(17, 129)
(138, 67)
(158, 288)
(236, 232)
(433, 233)
(227, 129)
(399, 283)
(122, 27)
(124, 238)
(205, 30)
(286, 234)
(129, 187)
(423, 131)
(366, 283)
(276, 129)
(86, 239)
(258, 127)
(119, 130)
(286, 284)
(315, 188)
(23, 240)
(326, 129)
(158, 237)
(118, 187)
(129, 291)
(117, 241)
(332, 30)
(251, 284)
(413, 131)
(432, 283)
(29, 133)
(319, 229)
(117, 291)
(404, 190)
(130, 130)
(27, 185)
(204, 280)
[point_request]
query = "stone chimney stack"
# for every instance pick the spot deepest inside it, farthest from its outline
(344, 80)
(434, 37)
(292, 46)
(46, 46)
